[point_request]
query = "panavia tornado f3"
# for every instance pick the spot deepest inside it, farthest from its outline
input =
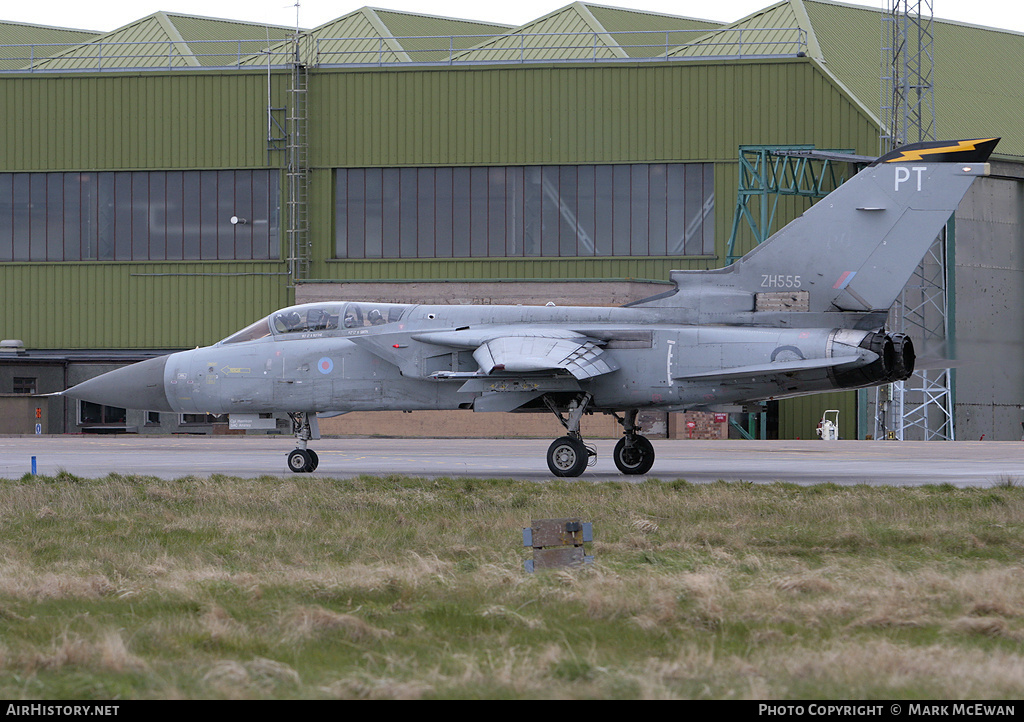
(802, 313)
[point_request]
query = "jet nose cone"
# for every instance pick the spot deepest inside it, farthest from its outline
(139, 386)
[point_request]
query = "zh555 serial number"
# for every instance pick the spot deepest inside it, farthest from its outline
(778, 280)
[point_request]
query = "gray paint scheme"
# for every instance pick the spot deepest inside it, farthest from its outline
(802, 313)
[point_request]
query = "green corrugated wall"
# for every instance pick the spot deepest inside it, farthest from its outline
(644, 112)
(799, 417)
(113, 304)
(142, 120)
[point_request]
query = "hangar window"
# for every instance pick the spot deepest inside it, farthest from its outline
(202, 419)
(139, 216)
(642, 209)
(24, 385)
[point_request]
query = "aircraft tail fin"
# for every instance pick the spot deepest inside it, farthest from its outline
(854, 250)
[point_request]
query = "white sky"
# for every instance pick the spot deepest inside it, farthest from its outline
(105, 15)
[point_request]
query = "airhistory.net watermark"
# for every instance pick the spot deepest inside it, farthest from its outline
(62, 710)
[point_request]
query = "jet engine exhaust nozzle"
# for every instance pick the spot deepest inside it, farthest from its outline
(895, 362)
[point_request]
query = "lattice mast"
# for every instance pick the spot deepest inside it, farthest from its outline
(908, 67)
(922, 406)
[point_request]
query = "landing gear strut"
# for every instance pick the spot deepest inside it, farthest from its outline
(304, 428)
(568, 455)
(633, 454)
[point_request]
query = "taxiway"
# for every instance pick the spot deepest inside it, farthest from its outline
(907, 463)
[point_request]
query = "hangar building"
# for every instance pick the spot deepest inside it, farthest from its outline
(166, 183)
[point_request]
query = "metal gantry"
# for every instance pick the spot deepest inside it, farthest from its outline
(922, 406)
(770, 172)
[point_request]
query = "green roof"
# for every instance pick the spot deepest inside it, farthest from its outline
(569, 33)
(376, 36)
(359, 37)
(22, 43)
(419, 33)
(166, 40)
(779, 29)
(645, 34)
(583, 31)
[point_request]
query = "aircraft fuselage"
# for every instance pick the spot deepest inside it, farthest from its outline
(424, 360)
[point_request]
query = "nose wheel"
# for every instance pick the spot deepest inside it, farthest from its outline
(304, 427)
(303, 460)
(568, 455)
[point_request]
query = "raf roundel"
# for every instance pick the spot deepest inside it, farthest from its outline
(325, 365)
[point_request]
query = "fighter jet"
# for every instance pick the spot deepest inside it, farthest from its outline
(802, 313)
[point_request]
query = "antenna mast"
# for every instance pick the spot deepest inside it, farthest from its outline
(924, 402)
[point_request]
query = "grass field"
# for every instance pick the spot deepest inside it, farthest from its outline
(134, 587)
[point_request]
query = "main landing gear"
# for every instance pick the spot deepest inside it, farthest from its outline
(570, 456)
(633, 454)
(304, 427)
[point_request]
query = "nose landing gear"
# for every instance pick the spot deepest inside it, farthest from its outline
(304, 427)
(568, 455)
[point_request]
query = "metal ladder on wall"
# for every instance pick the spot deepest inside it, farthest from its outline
(297, 173)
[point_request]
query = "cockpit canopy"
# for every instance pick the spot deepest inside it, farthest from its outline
(320, 317)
